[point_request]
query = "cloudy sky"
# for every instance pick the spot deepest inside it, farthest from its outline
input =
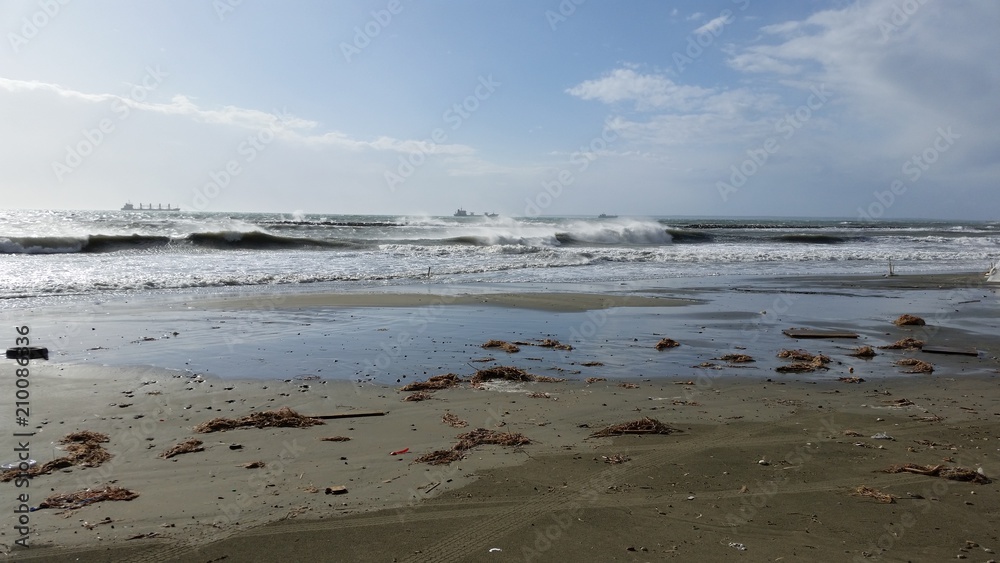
(881, 108)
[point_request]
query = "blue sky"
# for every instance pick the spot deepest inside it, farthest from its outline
(875, 109)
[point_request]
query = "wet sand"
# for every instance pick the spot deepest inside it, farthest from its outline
(700, 493)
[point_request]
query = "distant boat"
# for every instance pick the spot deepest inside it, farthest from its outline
(463, 213)
(159, 207)
(490, 215)
(605, 216)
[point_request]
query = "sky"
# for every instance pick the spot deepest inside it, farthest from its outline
(876, 109)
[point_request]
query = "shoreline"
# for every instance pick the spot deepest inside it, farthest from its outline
(392, 336)
(310, 357)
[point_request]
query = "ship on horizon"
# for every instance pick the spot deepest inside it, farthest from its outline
(463, 213)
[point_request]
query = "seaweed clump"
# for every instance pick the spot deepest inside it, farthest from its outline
(644, 425)
(283, 418)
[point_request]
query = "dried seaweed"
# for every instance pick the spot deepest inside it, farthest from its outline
(876, 494)
(916, 366)
(805, 363)
(595, 379)
(550, 343)
(799, 367)
(628, 385)
(909, 320)
(335, 439)
(87, 454)
(737, 358)
(905, 344)
(539, 395)
(954, 473)
(85, 436)
(505, 373)
(254, 464)
(418, 396)
(863, 352)
(186, 447)
(481, 436)
(453, 420)
(443, 381)
(852, 379)
(503, 345)
(641, 426)
(898, 402)
(616, 459)
(470, 440)
(549, 379)
(440, 457)
(283, 418)
(803, 356)
(83, 449)
(79, 499)
(666, 343)
(592, 364)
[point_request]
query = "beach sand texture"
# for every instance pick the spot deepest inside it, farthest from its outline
(762, 465)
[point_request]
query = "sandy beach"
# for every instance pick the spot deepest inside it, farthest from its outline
(759, 465)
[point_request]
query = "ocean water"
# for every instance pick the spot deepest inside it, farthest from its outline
(50, 254)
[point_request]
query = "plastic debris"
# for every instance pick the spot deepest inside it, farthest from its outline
(737, 546)
(882, 436)
(16, 464)
(495, 549)
(398, 452)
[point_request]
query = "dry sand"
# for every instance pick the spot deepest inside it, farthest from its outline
(762, 469)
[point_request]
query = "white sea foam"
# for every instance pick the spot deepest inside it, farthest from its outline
(107, 251)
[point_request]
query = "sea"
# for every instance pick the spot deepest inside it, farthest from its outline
(48, 255)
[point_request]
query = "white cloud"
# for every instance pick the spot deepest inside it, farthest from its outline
(714, 25)
(284, 125)
(902, 74)
(759, 62)
(646, 91)
(781, 28)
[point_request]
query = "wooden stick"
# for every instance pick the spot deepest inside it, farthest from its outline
(347, 415)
